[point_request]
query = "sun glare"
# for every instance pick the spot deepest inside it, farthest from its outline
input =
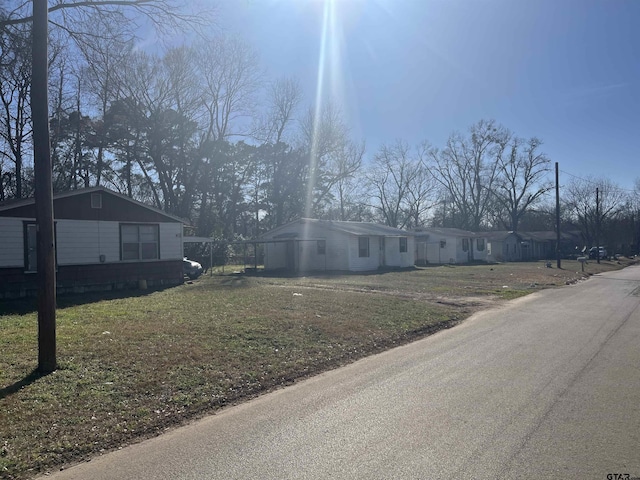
(329, 84)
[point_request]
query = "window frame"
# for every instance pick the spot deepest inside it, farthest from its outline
(465, 244)
(403, 244)
(363, 250)
(321, 247)
(140, 243)
(480, 244)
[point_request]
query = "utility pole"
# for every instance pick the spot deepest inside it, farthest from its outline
(46, 277)
(598, 224)
(558, 261)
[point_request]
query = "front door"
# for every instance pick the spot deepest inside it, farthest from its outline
(290, 256)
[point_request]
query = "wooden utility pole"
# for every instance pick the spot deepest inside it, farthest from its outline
(44, 192)
(598, 224)
(558, 261)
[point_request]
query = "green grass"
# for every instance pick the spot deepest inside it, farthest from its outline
(131, 367)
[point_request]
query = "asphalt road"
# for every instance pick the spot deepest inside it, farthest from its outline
(545, 387)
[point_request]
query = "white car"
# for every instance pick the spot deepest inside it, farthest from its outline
(191, 269)
(593, 253)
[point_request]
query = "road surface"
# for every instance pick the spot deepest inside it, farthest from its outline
(545, 387)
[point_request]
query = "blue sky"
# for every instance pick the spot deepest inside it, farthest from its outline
(565, 71)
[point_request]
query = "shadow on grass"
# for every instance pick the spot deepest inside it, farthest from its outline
(26, 381)
(23, 306)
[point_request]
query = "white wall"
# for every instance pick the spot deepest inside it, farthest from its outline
(337, 250)
(363, 264)
(448, 254)
(81, 242)
(171, 241)
(274, 257)
(11, 242)
(392, 252)
(395, 258)
(78, 242)
(342, 251)
(336, 255)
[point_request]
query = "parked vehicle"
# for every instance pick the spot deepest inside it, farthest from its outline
(191, 269)
(593, 253)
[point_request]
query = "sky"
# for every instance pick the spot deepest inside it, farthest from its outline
(565, 71)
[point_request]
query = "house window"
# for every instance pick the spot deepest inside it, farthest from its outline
(96, 200)
(363, 246)
(403, 244)
(139, 242)
(322, 247)
(480, 243)
(465, 244)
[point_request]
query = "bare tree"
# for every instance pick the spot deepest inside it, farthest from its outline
(331, 153)
(274, 157)
(229, 72)
(400, 185)
(77, 18)
(15, 83)
(103, 58)
(284, 96)
(468, 167)
(521, 179)
(347, 163)
(580, 200)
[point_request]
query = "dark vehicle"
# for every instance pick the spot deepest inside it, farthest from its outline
(191, 269)
(593, 253)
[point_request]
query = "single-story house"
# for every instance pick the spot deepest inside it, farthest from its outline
(315, 245)
(504, 246)
(525, 246)
(448, 245)
(104, 240)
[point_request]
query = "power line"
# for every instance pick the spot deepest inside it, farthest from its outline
(596, 183)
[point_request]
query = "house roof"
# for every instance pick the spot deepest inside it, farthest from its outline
(18, 203)
(353, 228)
(499, 235)
(539, 236)
(447, 232)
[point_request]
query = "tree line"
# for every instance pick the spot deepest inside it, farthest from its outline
(200, 131)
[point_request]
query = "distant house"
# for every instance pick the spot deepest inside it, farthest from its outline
(525, 246)
(448, 245)
(104, 240)
(315, 245)
(503, 246)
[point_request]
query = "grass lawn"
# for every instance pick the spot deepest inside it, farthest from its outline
(133, 366)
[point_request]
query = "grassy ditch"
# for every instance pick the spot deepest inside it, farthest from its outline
(133, 366)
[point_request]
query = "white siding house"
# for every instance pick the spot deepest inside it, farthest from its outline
(103, 240)
(449, 245)
(317, 245)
